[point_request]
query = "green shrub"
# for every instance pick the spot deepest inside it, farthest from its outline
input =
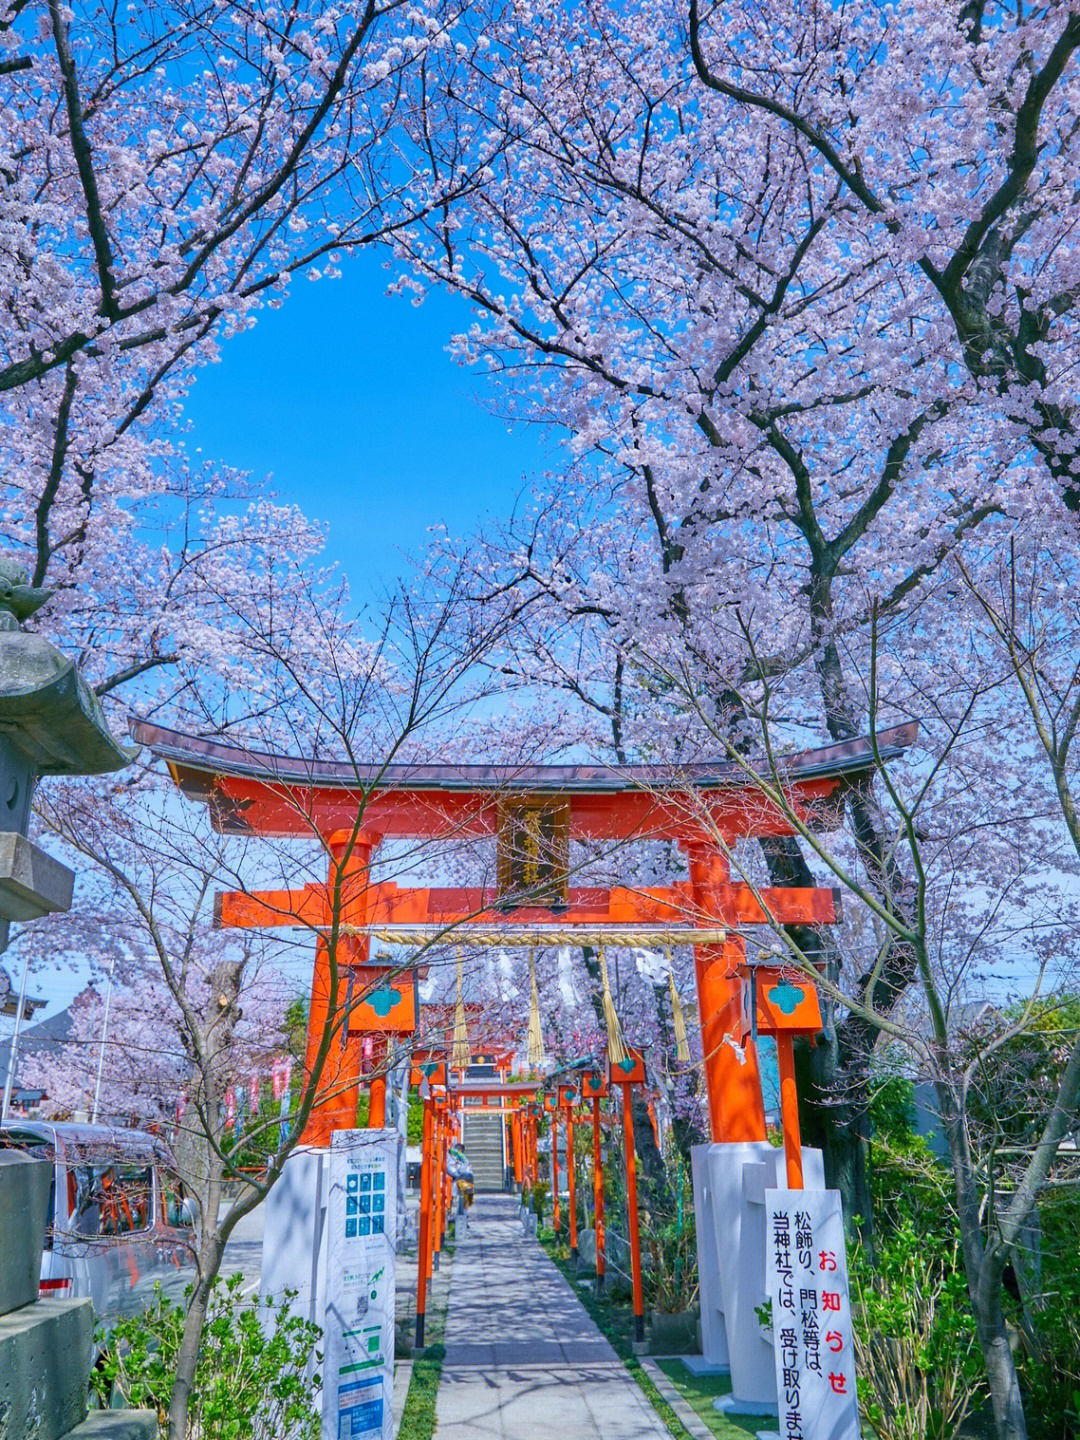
(669, 1242)
(539, 1195)
(415, 1121)
(1049, 1362)
(892, 1111)
(251, 1383)
(917, 1357)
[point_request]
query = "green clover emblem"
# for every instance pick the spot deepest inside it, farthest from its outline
(384, 1000)
(786, 997)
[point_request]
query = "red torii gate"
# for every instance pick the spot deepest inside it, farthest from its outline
(433, 1203)
(257, 793)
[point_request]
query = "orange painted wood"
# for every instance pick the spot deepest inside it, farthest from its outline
(632, 1213)
(516, 1144)
(556, 1209)
(424, 1245)
(776, 1013)
(338, 1085)
(265, 909)
(732, 1077)
(670, 905)
(789, 1110)
(377, 1089)
(598, 1190)
(291, 809)
(571, 1172)
(339, 1082)
(428, 1066)
(390, 1006)
(630, 1071)
(438, 1184)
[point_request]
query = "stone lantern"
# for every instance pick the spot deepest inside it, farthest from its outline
(50, 724)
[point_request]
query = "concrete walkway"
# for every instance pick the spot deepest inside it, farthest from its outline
(523, 1359)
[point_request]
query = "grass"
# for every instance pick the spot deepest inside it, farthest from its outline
(615, 1320)
(418, 1416)
(699, 1392)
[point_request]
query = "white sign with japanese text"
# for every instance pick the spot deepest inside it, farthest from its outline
(806, 1281)
(358, 1332)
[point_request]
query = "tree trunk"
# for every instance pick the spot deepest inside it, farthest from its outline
(1008, 1407)
(685, 1128)
(653, 1170)
(838, 1124)
(187, 1357)
(985, 1257)
(202, 1166)
(1026, 1259)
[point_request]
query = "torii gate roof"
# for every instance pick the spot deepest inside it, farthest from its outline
(250, 789)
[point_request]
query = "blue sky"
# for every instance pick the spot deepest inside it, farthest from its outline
(347, 398)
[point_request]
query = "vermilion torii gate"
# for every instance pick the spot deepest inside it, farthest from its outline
(534, 811)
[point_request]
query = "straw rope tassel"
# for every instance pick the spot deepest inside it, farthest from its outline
(678, 1019)
(461, 1055)
(616, 1045)
(536, 1035)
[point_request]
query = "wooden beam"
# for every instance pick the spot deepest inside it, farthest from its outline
(670, 906)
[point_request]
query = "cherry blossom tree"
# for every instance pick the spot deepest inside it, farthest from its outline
(966, 182)
(168, 170)
(982, 822)
(806, 335)
(126, 1058)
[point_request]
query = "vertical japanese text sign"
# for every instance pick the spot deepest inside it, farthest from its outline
(358, 1339)
(806, 1279)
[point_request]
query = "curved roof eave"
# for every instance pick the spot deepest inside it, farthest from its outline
(212, 758)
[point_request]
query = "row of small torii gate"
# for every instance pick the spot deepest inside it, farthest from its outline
(533, 812)
(523, 1105)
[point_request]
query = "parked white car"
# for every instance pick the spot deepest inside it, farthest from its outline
(118, 1218)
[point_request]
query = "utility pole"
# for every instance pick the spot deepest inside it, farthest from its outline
(13, 1056)
(101, 1049)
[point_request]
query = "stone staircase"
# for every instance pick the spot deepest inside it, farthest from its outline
(45, 1345)
(483, 1142)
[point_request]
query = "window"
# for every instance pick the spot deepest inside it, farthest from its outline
(176, 1209)
(111, 1199)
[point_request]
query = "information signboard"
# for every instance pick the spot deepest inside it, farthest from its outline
(806, 1280)
(358, 1338)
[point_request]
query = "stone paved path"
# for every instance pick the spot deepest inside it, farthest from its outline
(523, 1359)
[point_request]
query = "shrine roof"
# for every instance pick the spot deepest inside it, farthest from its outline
(581, 1062)
(193, 760)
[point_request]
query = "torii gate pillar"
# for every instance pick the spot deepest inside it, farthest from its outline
(350, 866)
(732, 1076)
